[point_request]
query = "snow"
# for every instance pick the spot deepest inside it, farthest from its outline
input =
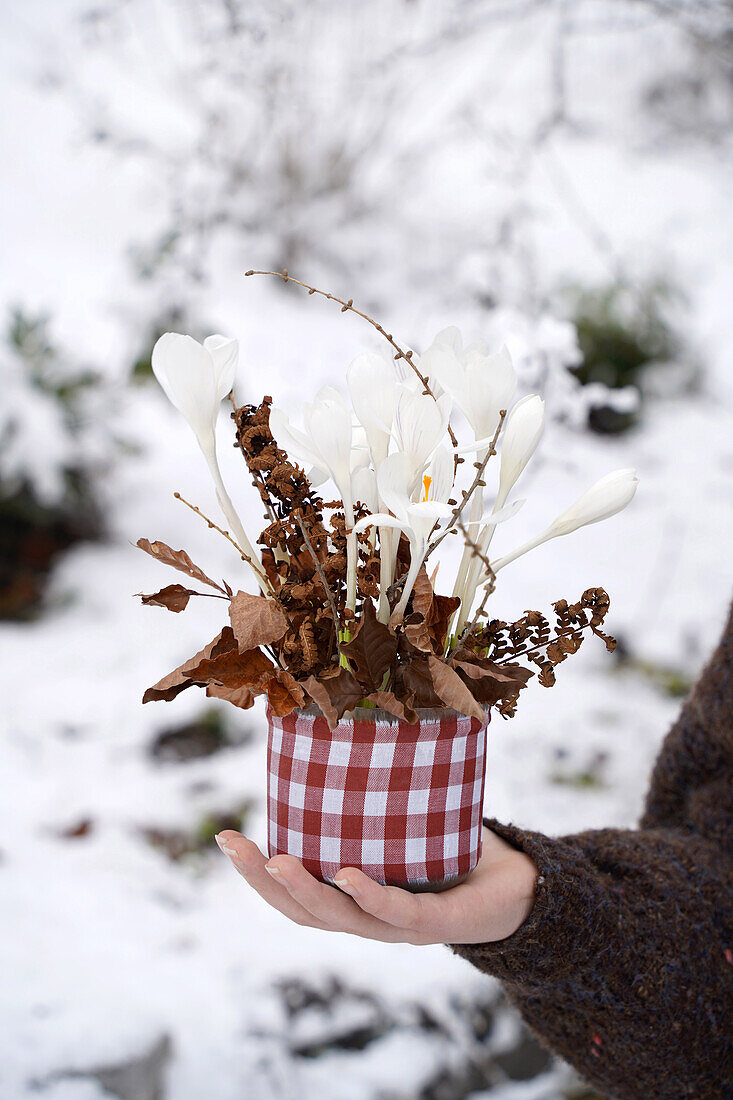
(452, 201)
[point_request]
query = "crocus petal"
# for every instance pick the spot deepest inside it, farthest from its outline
(420, 424)
(522, 432)
(185, 370)
(433, 509)
(394, 481)
(442, 364)
(441, 473)
(364, 487)
(604, 499)
(225, 353)
(501, 515)
(316, 476)
(373, 390)
(290, 439)
(450, 337)
(378, 519)
(491, 381)
(328, 421)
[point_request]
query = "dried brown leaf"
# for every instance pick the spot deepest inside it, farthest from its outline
(182, 677)
(453, 691)
(422, 594)
(388, 701)
(334, 692)
(284, 693)
(174, 597)
(491, 683)
(235, 669)
(256, 621)
(177, 559)
(371, 651)
(440, 616)
(416, 630)
(239, 696)
(417, 681)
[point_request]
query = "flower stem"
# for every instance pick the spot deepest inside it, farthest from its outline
(386, 573)
(415, 564)
(233, 519)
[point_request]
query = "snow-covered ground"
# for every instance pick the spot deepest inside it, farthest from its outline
(111, 952)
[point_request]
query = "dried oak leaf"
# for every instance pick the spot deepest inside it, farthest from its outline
(177, 559)
(427, 624)
(453, 691)
(239, 696)
(417, 681)
(416, 623)
(235, 669)
(174, 596)
(489, 683)
(422, 594)
(388, 701)
(284, 693)
(440, 615)
(256, 621)
(182, 677)
(372, 650)
(334, 692)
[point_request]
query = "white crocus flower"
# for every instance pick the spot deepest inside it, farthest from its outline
(327, 441)
(522, 432)
(420, 425)
(416, 519)
(604, 499)
(327, 444)
(480, 382)
(196, 378)
(373, 389)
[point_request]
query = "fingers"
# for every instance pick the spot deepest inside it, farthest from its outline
(249, 861)
(423, 916)
(330, 907)
(489, 906)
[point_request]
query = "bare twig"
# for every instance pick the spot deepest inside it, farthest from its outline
(210, 523)
(351, 308)
(454, 521)
(321, 576)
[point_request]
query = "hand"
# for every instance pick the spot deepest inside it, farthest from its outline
(491, 904)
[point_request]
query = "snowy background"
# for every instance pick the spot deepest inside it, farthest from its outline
(535, 172)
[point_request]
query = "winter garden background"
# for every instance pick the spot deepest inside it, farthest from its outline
(553, 175)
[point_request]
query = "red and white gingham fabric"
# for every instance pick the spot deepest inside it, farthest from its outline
(402, 802)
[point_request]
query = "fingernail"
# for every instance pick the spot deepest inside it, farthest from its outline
(223, 846)
(272, 870)
(344, 884)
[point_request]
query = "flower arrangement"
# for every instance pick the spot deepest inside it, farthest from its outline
(346, 621)
(347, 614)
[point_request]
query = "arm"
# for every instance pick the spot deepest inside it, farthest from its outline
(625, 965)
(692, 781)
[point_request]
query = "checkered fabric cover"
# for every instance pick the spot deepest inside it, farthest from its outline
(402, 802)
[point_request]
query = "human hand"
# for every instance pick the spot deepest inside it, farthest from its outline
(491, 904)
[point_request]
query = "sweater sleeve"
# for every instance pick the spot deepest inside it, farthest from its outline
(625, 965)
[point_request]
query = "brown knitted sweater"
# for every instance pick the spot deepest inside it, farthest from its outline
(625, 965)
